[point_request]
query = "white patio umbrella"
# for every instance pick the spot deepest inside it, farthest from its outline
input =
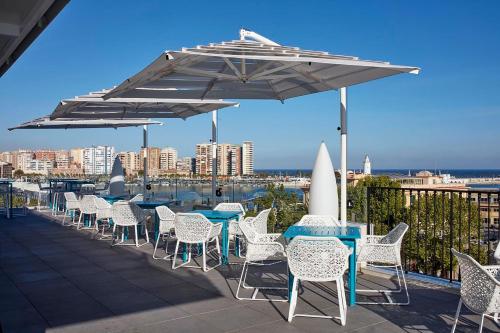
(256, 69)
(94, 106)
(47, 123)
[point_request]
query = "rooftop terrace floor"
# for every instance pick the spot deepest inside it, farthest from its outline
(58, 279)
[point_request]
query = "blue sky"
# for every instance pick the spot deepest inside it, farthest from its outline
(446, 117)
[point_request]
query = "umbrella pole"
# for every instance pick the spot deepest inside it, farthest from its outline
(145, 160)
(214, 156)
(343, 155)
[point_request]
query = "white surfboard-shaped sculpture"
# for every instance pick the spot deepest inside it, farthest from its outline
(117, 180)
(323, 196)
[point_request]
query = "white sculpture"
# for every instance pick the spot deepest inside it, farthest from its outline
(323, 196)
(117, 180)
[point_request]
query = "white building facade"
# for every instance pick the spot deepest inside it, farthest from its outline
(98, 160)
(247, 158)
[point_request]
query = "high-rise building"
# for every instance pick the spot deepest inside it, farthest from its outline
(130, 162)
(76, 157)
(5, 170)
(153, 158)
(98, 160)
(168, 159)
(247, 158)
(186, 166)
(49, 155)
(228, 159)
(23, 160)
(62, 159)
(43, 166)
(367, 166)
(203, 159)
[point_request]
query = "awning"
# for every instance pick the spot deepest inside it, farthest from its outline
(94, 106)
(46, 123)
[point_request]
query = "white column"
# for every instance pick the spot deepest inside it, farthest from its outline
(214, 156)
(343, 155)
(145, 160)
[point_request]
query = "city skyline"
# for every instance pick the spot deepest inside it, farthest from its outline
(401, 122)
(233, 160)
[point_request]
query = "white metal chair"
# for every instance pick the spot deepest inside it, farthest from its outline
(496, 255)
(385, 251)
(137, 197)
(259, 222)
(318, 221)
(193, 228)
(261, 247)
(318, 259)
(104, 214)
(87, 208)
(71, 206)
(128, 214)
(480, 288)
(167, 218)
(234, 229)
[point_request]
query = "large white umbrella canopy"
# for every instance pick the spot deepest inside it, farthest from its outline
(248, 69)
(47, 123)
(94, 106)
(256, 69)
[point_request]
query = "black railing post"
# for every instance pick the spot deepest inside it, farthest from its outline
(488, 231)
(368, 209)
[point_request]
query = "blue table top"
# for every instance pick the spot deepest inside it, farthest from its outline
(151, 203)
(342, 233)
(114, 197)
(218, 215)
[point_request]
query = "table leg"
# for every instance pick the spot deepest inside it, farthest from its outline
(184, 252)
(157, 226)
(225, 242)
(290, 285)
(237, 246)
(352, 275)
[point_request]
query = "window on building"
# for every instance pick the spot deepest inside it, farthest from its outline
(485, 220)
(484, 209)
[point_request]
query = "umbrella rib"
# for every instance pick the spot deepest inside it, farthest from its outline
(233, 68)
(192, 71)
(210, 84)
(272, 70)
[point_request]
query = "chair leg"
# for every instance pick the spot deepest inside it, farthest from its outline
(204, 254)
(156, 247)
(64, 217)
(482, 323)
(293, 300)
(242, 280)
(457, 314)
(175, 254)
(388, 291)
(136, 236)
(342, 303)
(79, 221)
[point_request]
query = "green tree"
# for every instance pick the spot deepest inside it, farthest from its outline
(288, 209)
(18, 173)
(376, 209)
(438, 222)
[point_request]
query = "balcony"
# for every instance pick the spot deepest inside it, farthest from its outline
(56, 279)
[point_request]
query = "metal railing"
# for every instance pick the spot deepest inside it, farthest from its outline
(438, 220)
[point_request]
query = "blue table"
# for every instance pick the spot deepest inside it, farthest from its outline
(348, 236)
(152, 204)
(114, 198)
(218, 216)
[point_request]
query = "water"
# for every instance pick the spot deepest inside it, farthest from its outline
(200, 193)
(458, 173)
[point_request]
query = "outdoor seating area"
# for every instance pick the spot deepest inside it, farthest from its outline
(63, 280)
(118, 249)
(309, 271)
